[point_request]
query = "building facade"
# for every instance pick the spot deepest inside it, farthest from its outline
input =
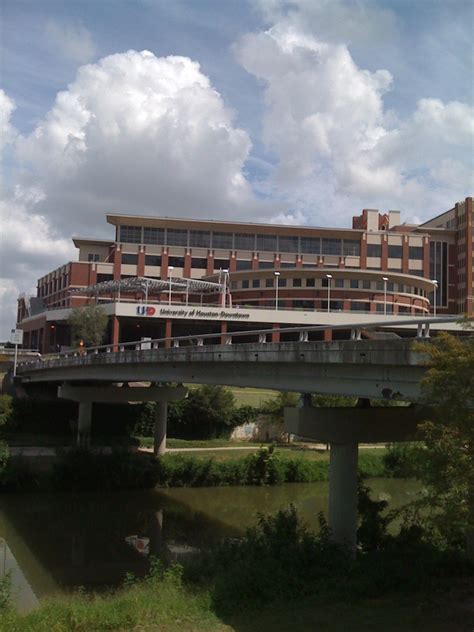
(279, 274)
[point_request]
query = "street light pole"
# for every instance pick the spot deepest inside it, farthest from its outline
(329, 277)
(384, 279)
(170, 270)
(435, 287)
(226, 273)
(277, 276)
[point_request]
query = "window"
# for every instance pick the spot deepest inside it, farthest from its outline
(222, 240)
(339, 282)
(131, 234)
(153, 235)
(310, 283)
(415, 252)
(104, 277)
(93, 257)
(401, 288)
(267, 242)
(199, 262)
(152, 260)
(244, 241)
(359, 306)
(268, 282)
(245, 284)
(266, 265)
(354, 284)
(331, 246)
(129, 259)
(390, 287)
(325, 282)
(416, 272)
(287, 264)
(351, 247)
(177, 237)
(242, 264)
(288, 244)
(374, 250)
(366, 285)
(310, 245)
(296, 282)
(177, 262)
(281, 282)
(221, 264)
(255, 282)
(200, 238)
(395, 252)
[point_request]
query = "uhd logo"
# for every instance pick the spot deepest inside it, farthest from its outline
(145, 310)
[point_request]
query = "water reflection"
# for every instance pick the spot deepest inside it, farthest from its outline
(56, 542)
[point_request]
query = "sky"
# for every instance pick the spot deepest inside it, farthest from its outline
(301, 112)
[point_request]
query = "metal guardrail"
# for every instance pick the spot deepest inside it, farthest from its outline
(422, 324)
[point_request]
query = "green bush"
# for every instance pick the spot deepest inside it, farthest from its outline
(80, 470)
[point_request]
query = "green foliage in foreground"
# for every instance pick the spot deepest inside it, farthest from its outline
(276, 562)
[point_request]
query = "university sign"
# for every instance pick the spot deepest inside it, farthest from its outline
(191, 313)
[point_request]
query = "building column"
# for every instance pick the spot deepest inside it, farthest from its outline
(343, 493)
(223, 331)
(115, 333)
(168, 332)
(276, 332)
(84, 424)
(159, 432)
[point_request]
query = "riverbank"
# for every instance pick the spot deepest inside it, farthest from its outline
(81, 470)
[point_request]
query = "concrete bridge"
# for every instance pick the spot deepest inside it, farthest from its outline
(371, 364)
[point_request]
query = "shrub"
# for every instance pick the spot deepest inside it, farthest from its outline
(80, 470)
(400, 460)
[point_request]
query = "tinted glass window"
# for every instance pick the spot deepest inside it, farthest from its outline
(354, 283)
(415, 252)
(267, 242)
(266, 265)
(153, 235)
(129, 259)
(366, 285)
(131, 234)
(351, 247)
(310, 245)
(175, 237)
(243, 264)
(339, 282)
(244, 241)
(296, 282)
(152, 260)
(288, 244)
(395, 252)
(177, 262)
(221, 264)
(245, 284)
(199, 262)
(374, 250)
(310, 282)
(222, 240)
(255, 282)
(200, 238)
(268, 282)
(331, 246)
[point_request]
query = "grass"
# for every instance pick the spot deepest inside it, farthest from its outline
(248, 396)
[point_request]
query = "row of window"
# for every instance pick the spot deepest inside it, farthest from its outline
(54, 285)
(395, 252)
(338, 283)
(238, 241)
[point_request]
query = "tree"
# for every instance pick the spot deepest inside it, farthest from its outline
(89, 324)
(446, 461)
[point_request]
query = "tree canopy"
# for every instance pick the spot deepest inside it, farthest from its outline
(88, 323)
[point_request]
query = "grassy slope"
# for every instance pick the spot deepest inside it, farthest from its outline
(171, 608)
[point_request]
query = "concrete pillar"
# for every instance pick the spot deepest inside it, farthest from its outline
(84, 424)
(343, 493)
(327, 335)
(115, 333)
(159, 434)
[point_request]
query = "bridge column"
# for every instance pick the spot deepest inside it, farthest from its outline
(327, 335)
(168, 332)
(115, 332)
(84, 424)
(343, 493)
(159, 433)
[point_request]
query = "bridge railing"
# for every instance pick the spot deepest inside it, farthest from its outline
(262, 336)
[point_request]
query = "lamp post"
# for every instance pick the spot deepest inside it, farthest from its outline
(329, 277)
(226, 276)
(384, 279)
(277, 276)
(170, 270)
(435, 287)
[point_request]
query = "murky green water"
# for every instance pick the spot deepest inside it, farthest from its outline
(56, 542)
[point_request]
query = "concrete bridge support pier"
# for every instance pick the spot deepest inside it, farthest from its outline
(159, 433)
(84, 424)
(342, 510)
